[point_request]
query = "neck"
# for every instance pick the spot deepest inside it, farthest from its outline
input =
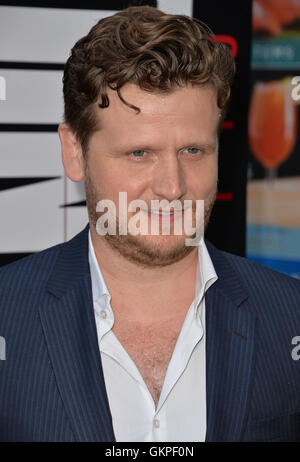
(156, 284)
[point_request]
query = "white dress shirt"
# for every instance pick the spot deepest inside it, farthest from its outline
(180, 415)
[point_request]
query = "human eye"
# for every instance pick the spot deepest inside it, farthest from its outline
(138, 153)
(192, 150)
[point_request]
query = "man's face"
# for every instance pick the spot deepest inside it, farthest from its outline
(167, 151)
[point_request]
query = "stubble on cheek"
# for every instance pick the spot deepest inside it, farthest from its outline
(153, 253)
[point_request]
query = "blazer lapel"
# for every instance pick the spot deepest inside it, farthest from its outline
(230, 335)
(68, 322)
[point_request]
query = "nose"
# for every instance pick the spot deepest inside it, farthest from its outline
(169, 180)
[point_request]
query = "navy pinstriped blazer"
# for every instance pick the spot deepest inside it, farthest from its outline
(51, 382)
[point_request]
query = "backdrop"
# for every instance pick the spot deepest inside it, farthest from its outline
(273, 214)
(39, 206)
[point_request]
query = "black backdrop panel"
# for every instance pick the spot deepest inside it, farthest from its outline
(87, 4)
(227, 227)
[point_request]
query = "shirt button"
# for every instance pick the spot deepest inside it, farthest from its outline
(103, 314)
(156, 423)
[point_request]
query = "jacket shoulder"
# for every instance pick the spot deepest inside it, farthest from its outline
(31, 266)
(259, 281)
(270, 292)
(23, 281)
(257, 274)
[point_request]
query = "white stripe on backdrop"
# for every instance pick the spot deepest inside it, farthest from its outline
(32, 96)
(43, 34)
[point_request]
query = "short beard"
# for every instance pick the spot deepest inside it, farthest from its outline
(136, 250)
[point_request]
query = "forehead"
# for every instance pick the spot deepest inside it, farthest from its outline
(181, 101)
(186, 113)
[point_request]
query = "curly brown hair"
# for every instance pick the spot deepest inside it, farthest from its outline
(141, 45)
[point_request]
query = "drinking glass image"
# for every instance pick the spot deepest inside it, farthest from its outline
(272, 124)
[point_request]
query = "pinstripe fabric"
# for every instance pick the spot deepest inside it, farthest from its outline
(253, 383)
(51, 383)
(30, 405)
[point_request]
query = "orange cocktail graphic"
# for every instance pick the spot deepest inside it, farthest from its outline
(272, 128)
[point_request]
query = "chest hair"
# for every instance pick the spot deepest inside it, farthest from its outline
(151, 350)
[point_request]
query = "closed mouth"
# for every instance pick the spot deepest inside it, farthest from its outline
(162, 212)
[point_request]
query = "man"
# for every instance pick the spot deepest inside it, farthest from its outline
(120, 336)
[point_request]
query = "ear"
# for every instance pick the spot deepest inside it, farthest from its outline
(72, 156)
